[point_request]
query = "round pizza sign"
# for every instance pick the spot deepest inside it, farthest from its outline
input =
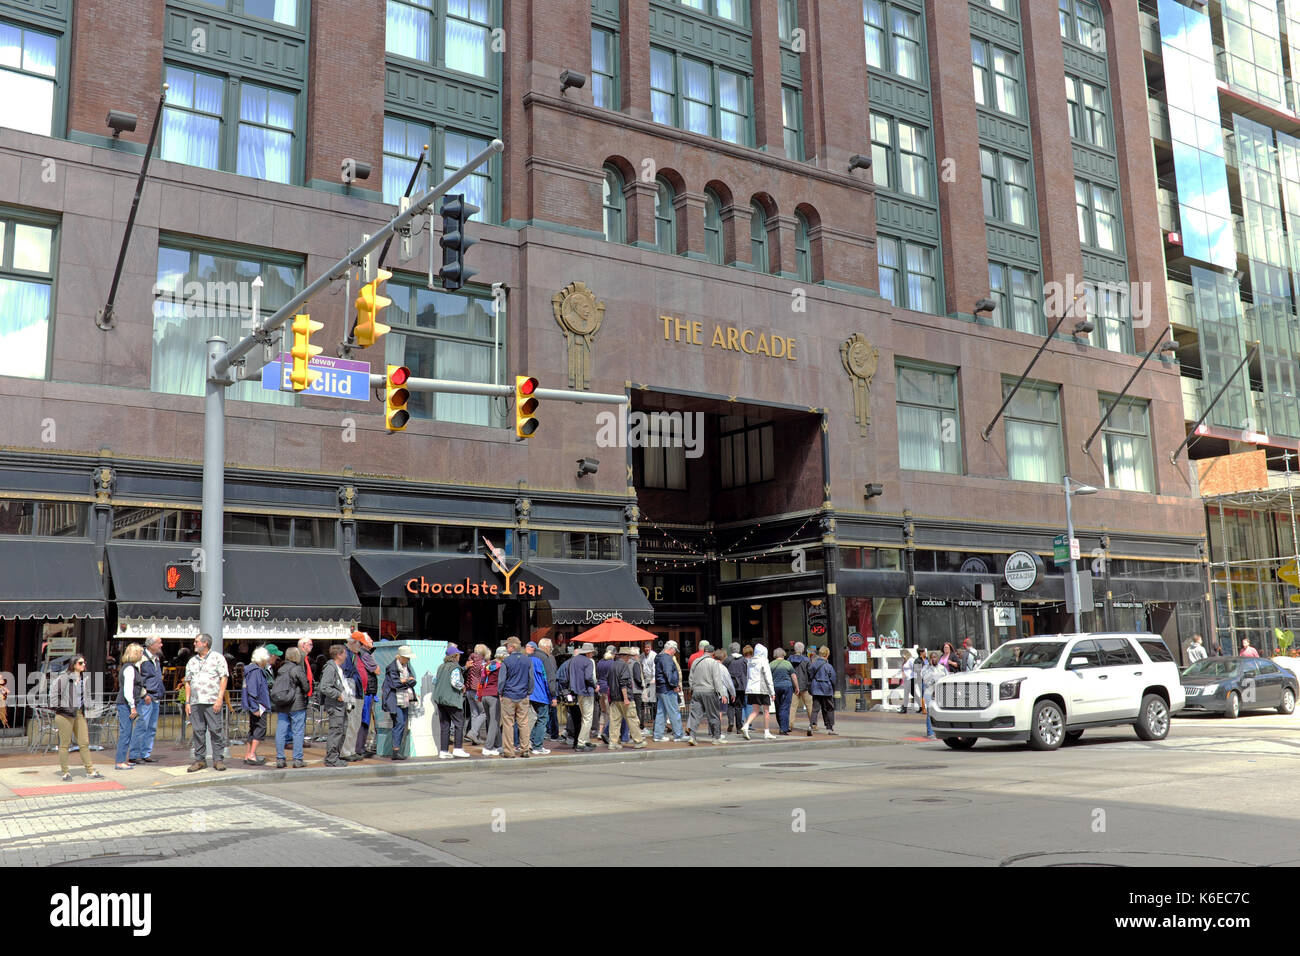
(1021, 571)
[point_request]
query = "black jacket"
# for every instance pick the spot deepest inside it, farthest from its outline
(620, 680)
(297, 674)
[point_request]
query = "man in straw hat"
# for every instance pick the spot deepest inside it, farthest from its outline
(582, 681)
(622, 705)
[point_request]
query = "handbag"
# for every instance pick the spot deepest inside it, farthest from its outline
(404, 697)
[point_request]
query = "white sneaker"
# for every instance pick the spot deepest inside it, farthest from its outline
(444, 755)
(745, 731)
(491, 753)
(540, 751)
(722, 738)
(459, 753)
(768, 735)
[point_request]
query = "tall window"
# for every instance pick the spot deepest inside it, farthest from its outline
(1081, 23)
(758, 237)
(663, 457)
(748, 453)
(613, 204)
(699, 97)
(712, 226)
(792, 122)
(787, 18)
(198, 129)
(1005, 181)
(1089, 117)
(604, 68)
(457, 150)
(26, 278)
(802, 248)
(893, 39)
(29, 61)
(202, 292)
(997, 77)
(448, 150)
(929, 422)
(1016, 293)
(908, 274)
(1033, 431)
(665, 217)
(448, 335)
(1098, 223)
(1127, 444)
(455, 34)
(900, 154)
(403, 143)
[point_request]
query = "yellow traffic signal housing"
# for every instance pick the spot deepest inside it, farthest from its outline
(525, 405)
(395, 398)
(301, 376)
(370, 303)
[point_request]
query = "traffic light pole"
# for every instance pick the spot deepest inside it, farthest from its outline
(220, 361)
(505, 391)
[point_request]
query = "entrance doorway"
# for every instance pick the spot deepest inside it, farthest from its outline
(687, 638)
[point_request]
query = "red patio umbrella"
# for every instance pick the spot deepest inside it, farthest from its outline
(615, 630)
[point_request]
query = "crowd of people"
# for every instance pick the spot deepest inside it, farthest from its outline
(922, 669)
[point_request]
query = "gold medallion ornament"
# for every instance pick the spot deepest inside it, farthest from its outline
(860, 359)
(580, 316)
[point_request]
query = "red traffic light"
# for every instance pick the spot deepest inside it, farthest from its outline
(527, 386)
(178, 576)
(399, 375)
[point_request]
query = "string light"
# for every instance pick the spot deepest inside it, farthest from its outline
(701, 557)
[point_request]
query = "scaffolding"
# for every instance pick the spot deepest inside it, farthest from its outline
(1273, 610)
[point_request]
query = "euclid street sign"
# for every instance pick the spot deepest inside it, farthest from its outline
(339, 378)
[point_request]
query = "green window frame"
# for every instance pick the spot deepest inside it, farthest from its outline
(224, 122)
(1098, 215)
(701, 97)
(451, 35)
(1089, 112)
(1081, 22)
(787, 19)
(32, 91)
(929, 417)
(758, 256)
(792, 122)
(733, 11)
(713, 246)
(901, 156)
(1110, 307)
(1018, 296)
(28, 261)
(449, 149)
(895, 39)
(614, 206)
(665, 216)
(747, 451)
(996, 72)
(284, 12)
(604, 68)
(404, 141)
(908, 273)
(1126, 444)
(802, 248)
(1032, 428)
(1005, 181)
(447, 335)
(205, 289)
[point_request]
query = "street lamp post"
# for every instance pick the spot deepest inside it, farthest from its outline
(1074, 488)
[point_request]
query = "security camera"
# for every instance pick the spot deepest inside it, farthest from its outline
(354, 169)
(121, 122)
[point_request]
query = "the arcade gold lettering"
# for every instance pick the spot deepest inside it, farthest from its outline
(730, 338)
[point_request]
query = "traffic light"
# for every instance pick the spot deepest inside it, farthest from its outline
(455, 240)
(370, 302)
(395, 398)
(302, 351)
(525, 405)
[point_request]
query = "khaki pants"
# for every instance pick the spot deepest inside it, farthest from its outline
(587, 706)
(512, 712)
(619, 712)
(353, 729)
(805, 698)
(68, 727)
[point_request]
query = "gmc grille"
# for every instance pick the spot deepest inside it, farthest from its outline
(965, 695)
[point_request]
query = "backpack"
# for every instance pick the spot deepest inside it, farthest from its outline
(284, 690)
(562, 676)
(802, 672)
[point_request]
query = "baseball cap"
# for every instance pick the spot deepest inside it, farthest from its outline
(533, 645)
(452, 649)
(274, 651)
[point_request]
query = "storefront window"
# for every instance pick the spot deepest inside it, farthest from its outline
(933, 624)
(550, 544)
(44, 518)
(156, 524)
(374, 536)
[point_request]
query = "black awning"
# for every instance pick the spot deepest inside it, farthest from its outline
(396, 574)
(259, 584)
(49, 579)
(588, 592)
(852, 582)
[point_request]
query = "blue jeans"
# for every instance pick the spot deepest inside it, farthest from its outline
(929, 730)
(784, 695)
(125, 729)
(538, 736)
(294, 722)
(666, 707)
(146, 728)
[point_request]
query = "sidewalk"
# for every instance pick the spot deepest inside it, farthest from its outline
(24, 774)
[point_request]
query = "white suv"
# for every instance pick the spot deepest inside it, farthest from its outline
(1047, 690)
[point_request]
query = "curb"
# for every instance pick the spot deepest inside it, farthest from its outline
(425, 765)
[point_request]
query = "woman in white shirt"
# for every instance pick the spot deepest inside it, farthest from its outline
(759, 691)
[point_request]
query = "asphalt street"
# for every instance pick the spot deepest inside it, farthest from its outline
(1215, 793)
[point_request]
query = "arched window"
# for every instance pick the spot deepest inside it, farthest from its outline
(758, 236)
(712, 226)
(665, 217)
(615, 220)
(802, 248)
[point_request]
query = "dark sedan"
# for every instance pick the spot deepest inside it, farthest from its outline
(1229, 685)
